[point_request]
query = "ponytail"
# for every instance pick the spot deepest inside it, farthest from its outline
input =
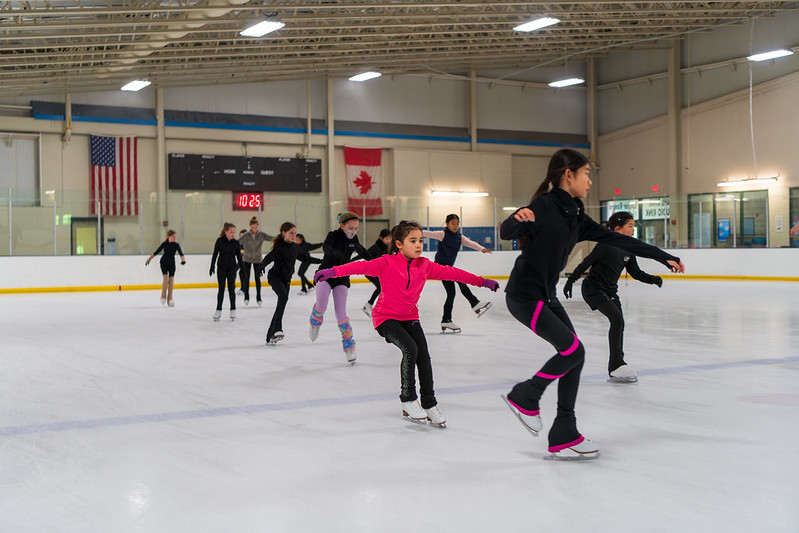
(561, 161)
(226, 227)
(286, 226)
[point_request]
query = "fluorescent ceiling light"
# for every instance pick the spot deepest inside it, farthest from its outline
(457, 193)
(136, 85)
(537, 24)
(510, 208)
(745, 180)
(262, 28)
(770, 55)
(363, 76)
(567, 82)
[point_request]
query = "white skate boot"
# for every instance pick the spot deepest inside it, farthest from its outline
(232, 314)
(367, 308)
(435, 417)
(163, 301)
(413, 412)
(171, 303)
(623, 374)
(584, 449)
(350, 354)
(316, 322)
(481, 307)
(531, 420)
(217, 315)
(275, 338)
(246, 302)
(450, 326)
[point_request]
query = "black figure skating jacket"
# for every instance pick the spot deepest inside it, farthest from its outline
(560, 223)
(227, 254)
(339, 250)
(606, 264)
(283, 255)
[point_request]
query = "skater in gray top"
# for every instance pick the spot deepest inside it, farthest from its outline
(251, 245)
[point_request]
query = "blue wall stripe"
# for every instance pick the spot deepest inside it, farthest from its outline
(329, 402)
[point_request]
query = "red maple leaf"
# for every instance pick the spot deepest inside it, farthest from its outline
(363, 182)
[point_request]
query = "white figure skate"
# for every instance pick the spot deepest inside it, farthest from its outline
(451, 327)
(413, 412)
(623, 374)
(275, 338)
(582, 451)
(232, 314)
(480, 308)
(531, 422)
(217, 315)
(435, 417)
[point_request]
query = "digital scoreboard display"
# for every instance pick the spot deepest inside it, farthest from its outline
(247, 201)
(246, 174)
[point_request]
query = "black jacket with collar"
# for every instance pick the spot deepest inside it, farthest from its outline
(560, 223)
(283, 255)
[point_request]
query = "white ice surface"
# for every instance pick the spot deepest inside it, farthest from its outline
(121, 415)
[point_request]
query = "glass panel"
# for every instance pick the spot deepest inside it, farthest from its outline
(701, 232)
(794, 214)
(754, 219)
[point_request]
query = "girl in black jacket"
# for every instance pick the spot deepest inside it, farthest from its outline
(380, 247)
(284, 254)
(600, 290)
(339, 247)
(309, 260)
(225, 261)
(170, 248)
(549, 228)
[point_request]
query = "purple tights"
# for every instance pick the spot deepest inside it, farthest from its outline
(323, 291)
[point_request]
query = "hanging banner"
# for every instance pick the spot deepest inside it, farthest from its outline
(363, 180)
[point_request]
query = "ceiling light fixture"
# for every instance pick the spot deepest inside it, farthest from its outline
(363, 76)
(536, 24)
(567, 82)
(136, 85)
(262, 28)
(457, 193)
(770, 55)
(746, 180)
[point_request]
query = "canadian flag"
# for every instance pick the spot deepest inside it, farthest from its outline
(363, 180)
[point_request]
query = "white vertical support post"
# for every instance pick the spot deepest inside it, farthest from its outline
(141, 228)
(160, 147)
(331, 148)
(99, 224)
(55, 226)
(460, 215)
(496, 228)
(700, 224)
(473, 110)
(675, 138)
(10, 240)
(734, 216)
(308, 117)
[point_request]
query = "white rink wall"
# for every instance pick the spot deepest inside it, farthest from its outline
(129, 272)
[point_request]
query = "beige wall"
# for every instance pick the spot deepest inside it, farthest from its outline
(716, 146)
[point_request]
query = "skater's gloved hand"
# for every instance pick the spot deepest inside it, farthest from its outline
(490, 284)
(259, 271)
(324, 275)
(147, 262)
(658, 281)
(211, 272)
(567, 290)
(183, 262)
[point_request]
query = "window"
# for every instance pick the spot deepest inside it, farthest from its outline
(728, 219)
(794, 214)
(19, 167)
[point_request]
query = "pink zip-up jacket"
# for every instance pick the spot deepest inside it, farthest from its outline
(402, 281)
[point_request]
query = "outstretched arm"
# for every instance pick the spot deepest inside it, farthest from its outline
(466, 241)
(635, 271)
(592, 231)
(437, 235)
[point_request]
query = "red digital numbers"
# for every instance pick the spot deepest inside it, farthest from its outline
(246, 200)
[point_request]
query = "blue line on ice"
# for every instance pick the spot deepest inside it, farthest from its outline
(327, 402)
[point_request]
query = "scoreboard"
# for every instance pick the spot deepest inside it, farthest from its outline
(246, 174)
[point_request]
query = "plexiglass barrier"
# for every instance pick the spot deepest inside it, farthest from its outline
(66, 222)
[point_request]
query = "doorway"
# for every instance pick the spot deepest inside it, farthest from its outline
(83, 236)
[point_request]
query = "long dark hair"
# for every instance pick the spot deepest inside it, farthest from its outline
(561, 161)
(286, 226)
(400, 231)
(226, 227)
(619, 219)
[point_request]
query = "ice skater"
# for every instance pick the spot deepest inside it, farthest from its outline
(402, 273)
(251, 245)
(225, 261)
(339, 246)
(170, 248)
(548, 229)
(283, 255)
(600, 290)
(309, 260)
(380, 247)
(450, 241)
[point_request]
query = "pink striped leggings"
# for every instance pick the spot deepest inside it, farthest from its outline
(549, 321)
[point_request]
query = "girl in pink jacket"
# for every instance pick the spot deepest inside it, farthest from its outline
(402, 274)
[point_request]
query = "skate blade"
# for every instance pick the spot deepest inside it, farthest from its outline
(420, 421)
(481, 312)
(571, 456)
(442, 425)
(445, 330)
(518, 415)
(622, 380)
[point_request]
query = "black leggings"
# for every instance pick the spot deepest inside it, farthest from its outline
(549, 321)
(228, 276)
(281, 289)
(409, 337)
(449, 286)
(610, 306)
(301, 273)
(376, 293)
(245, 280)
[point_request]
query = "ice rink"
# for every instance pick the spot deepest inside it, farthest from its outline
(121, 415)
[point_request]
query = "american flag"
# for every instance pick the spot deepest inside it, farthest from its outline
(114, 176)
